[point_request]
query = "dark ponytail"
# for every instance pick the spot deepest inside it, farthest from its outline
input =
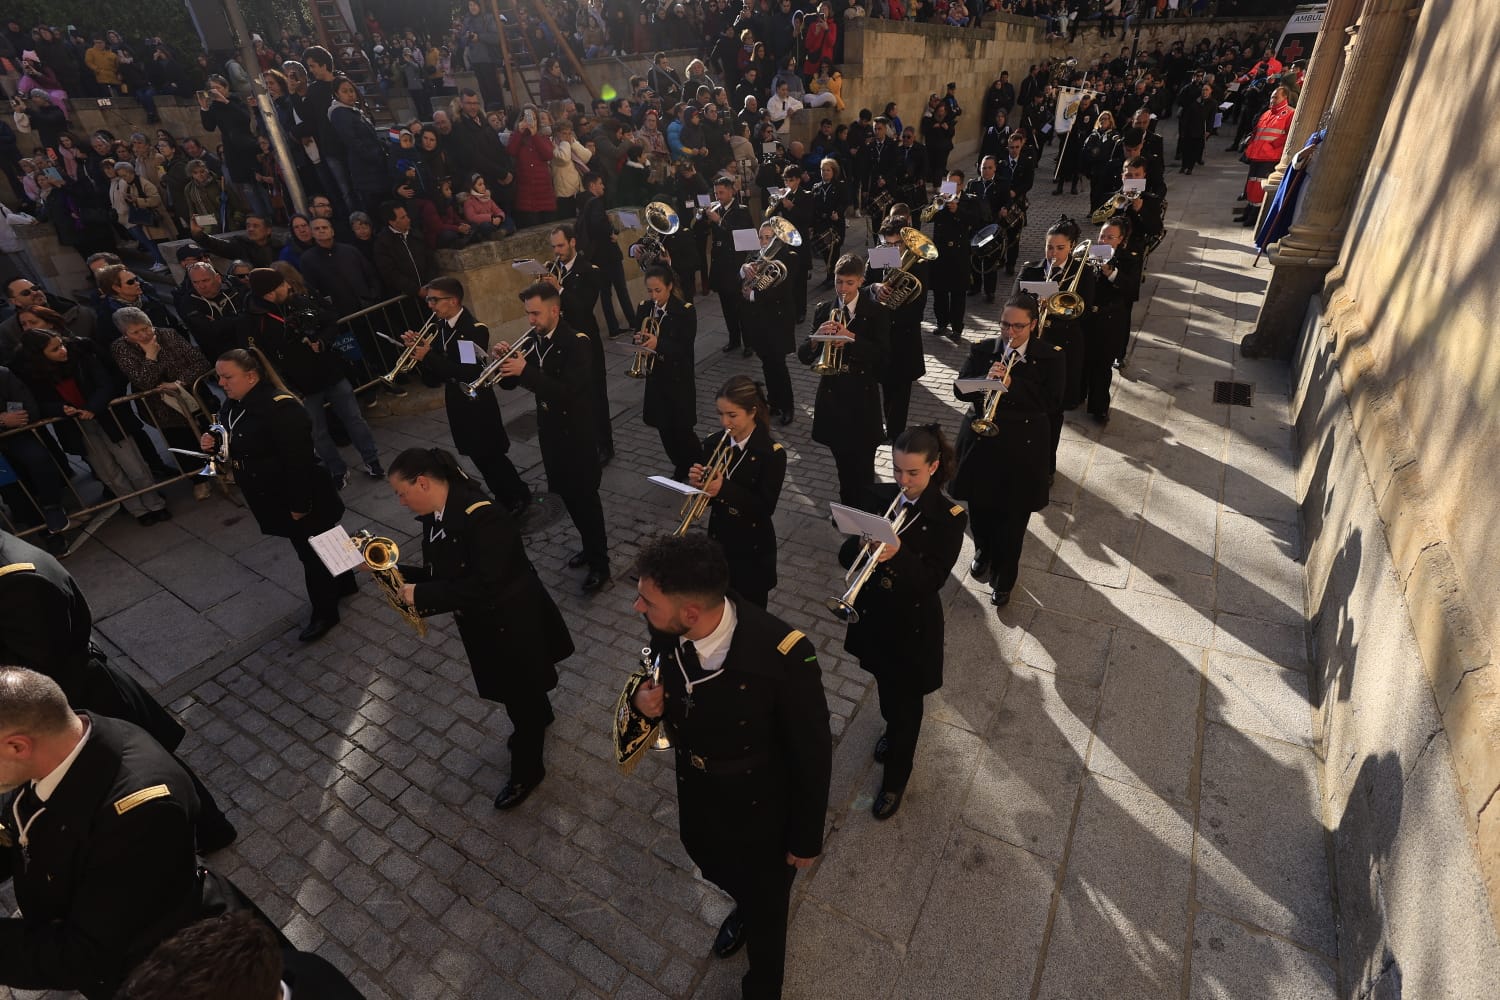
(434, 463)
(748, 395)
(929, 441)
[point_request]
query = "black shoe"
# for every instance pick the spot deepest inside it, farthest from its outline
(1057, 191)
(881, 746)
(727, 348)
(1000, 598)
(606, 455)
(886, 804)
(957, 336)
(578, 560)
(731, 936)
(1100, 418)
(596, 581)
(514, 793)
(375, 470)
(1075, 189)
(787, 417)
(979, 569)
(317, 629)
(941, 331)
(147, 519)
(214, 833)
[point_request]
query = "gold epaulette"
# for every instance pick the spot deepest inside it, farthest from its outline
(134, 799)
(956, 509)
(475, 506)
(284, 395)
(776, 446)
(17, 568)
(792, 638)
(1056, 347)
(687, 305)
(581, 336)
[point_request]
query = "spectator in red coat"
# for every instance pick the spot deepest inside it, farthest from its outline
(535, 201)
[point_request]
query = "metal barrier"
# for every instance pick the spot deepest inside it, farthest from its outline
(368, 355)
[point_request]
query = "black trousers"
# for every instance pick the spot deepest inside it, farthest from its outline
(614, 280)
(986, 282)
(587, 512)
(800, 266)
(761, 884)
(901, 708)
(999, 532)
(895, 398)
(682, 447)
(1056, 420)
(1097, 373)
(501, 478)
(778, 379)
(530, 715)
(729, 302)
(323, 588)
(948, 306)
(856, 469)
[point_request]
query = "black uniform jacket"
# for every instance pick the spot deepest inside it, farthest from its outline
(829, 200)
(559, 373)
(1110, 309)
(907, 361)
(580, 293)
(900, 627)
(671, 397)
(478, 428)
(111, 871)
(1010, 470)
(46, 624)
(803, 215)
(952, 229)
(754, 754)
(264, 327)
(724, 266)
(474, 565)
(768, 321)
(271, 452)
(740, 516)
(847, 413)
(988, 198)
(1018, 178)
(1065, 333)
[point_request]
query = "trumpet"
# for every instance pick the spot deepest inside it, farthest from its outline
(644, 360)
(862, 569)
(1113, 205)
(939, 203)
(900, 286)
(407, 360)
(381, 555)
(985, 424)
(490, 373)
(831, 361)
(717, 465)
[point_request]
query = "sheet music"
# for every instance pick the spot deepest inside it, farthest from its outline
(336, 550)
(746, 239)
(629, 220)
(1041, 289)
(1133, 185)
(885, 256)
(852, 521)
(674, 485)
(978, 384)
(1101, 251)
(526, 266)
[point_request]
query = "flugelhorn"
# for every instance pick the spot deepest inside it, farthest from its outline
(490, 374)
(939, 203)
(985, 424)
(862, 569)
(644, 360)
(696, 505)
(381, 555)
(900, 286)
(831, 361)
(407, 360)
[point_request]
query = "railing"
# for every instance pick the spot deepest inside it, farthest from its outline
(369, 356)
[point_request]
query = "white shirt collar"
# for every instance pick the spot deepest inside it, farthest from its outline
(286, 991)
(713, 648)
(850, 306)
(437, 515)
(46, 786)
(453, 321)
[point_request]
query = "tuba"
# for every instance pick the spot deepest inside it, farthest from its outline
(717, 465)
(381, 555)
(490, 374)
(661, 221)
(764, 270)
(1113, 205)
(408, 357)
(901, 286)
(862, 569)
(831, 361)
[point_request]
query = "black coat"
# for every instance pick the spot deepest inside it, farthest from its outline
(907, 362)
(1109, 312)
(403, 262)
(214, 323)
(474, 565)
(271, 452)
(264, 327)
(478, 428)
(96, 384)
(580, 293)
(847, 413)
(671, 395)
(1010, 471)
(740, 516)
(987, 197)
(112, 870)
(1066, 333)
(596, 234)
(559, 372)
(829, 200)
(952, 229)
(765, 721)
(724, 267)
(900, 627)
(1016, 180)
(768, 320)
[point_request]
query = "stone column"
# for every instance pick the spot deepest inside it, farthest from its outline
(1318, 87)
(1306, 254)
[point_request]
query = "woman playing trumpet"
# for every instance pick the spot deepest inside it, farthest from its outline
(667, 326)
(898, 635)
(744, 496)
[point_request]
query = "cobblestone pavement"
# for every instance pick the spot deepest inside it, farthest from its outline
(1115, 795)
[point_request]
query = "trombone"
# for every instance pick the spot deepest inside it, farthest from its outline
(381, 555)
(407, 360)
(900, 286)
(831, 361)
(985, 424)
(645, 360)
(862, 569)
(490, 374)
(1066, 303)
(717, 465)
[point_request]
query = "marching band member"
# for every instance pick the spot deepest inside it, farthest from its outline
(578, 283)
(473, 564)
(799, 208)
(907, 362)
(1106, 326)
(1006, 477)
(742, 701)
(1145, 211)
(723, 216)
(744, 497)
(882, 164)
(988, 197)
(1016, 175)
(952, 229)
(770, 331)
(671, 401)
(1059, 265)
(830, 197)
(911, 168)
(476, 425)
(555, 367)
(277, 471)
(899, 634)
(847, 414)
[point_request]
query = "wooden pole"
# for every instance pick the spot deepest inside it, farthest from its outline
(540, 7)
(517, 91)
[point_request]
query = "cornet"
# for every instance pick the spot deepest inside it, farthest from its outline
(831, 361)
(490, 374)
(381, 555)
(644, 360)
(717, 465)
(862, 569)
(407, 360)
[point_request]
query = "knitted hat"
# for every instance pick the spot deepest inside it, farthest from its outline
(264, 281)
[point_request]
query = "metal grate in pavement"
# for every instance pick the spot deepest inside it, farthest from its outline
(546, 508)
(1235, 393)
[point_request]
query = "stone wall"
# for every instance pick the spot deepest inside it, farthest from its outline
(1398, 418)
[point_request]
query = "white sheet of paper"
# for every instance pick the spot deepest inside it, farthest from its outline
(1041, 289)
(336, 550)
(851, 521)
(948, 187)
(468, 354)
(526, 266)
(1226, 105)
(704, 200)
(977, 384)
(1133, 185)
(206, 221)
(674, 485)
(1234, 87)
(1101, 251)
(746, 239)
(884, 256)
(1047, 128)
(629, 220)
